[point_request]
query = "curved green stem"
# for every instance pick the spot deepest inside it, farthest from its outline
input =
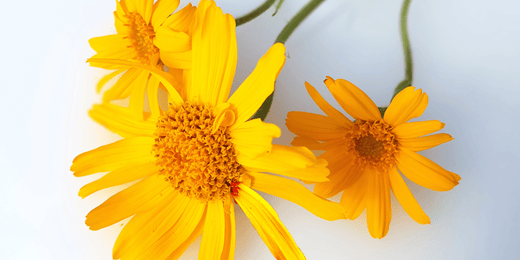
(282, 37)
(406, 49)
(255, 13)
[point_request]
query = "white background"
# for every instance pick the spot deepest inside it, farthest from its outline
(466, 57)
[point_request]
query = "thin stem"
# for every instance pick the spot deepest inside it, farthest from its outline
(406, 49)
(255, 13)
(297, 19)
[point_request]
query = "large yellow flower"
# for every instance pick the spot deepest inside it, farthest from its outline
(151, 35)
(198, 156)
(364, 155)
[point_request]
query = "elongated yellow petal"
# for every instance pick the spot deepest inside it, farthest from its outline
(354, 197)
(259, 85)
(379, 210)
(425, 172)
(416, 129)
(166, 79)
(425, 142)
(169, 40)
(406, 198)
(137, 96)
(161, 10)
(107, 78)
(254, 138)
(406, 105)
(353, 100)
(123, 87)
(309, 143)
(267, 224)
(130, 151)
(183, 20)
(214, 57)
(296, 193)
(121, 121)
(145, 229)
(214, 231)
(329, 110)
(175, 237)
(177, 253)
(110, 47)
(153, 102)
(339, 180)
(118, 177)
(140, 197)
(178, 60)
(228, 253)
(314, 126)
(296, 162)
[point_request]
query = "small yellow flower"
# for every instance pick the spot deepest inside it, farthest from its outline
(364, 155)
(147, 33)
(194, 159)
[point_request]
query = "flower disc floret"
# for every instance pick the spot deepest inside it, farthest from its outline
(373, 144)
(198, 163)
(141, 35)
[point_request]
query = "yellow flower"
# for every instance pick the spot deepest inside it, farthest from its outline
(364, 155)
(194, 159)
(151, 35)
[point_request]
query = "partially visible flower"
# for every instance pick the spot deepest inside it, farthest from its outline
(147, 33)
(194, 159)
(364, 156)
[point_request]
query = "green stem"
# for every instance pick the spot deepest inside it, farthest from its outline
(255, 13)
(406, 49)
(297, 19)
(282, 37)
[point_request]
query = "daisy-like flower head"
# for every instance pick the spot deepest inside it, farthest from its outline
(149, 34)
(198, 156)
(364, 156)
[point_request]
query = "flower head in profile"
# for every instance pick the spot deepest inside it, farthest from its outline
(364, 156)
(149, 34)
(194, 159)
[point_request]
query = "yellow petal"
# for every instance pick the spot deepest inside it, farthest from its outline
(120, 18)
(254, 138)
(123, 87)
(258, 85)
(228, 253)
(169, 40)
(110, 47)
(166, 79)
(181, 231)
(354, 197)
(136, 103)
(145, 229)
(296, 162)
(314, 126)
(177, 60)
(130, 151)
(214, 231)
(153, 102)
(118, 177)
(161, 10)
(267, 224)
(406, 198)
(353, 100)
(296, 193)
(182, 20)
(425, 172)
(416, 129)
(107, 78)
(425, 142)
(140, 197)
(329, 110)
(214, 55)
(406, 105)
(313, 144)
(379, 210)
(121, 121)
(339, 180)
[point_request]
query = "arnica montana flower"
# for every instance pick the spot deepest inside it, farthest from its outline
(199, 156)
(151, 35)
(364, 156)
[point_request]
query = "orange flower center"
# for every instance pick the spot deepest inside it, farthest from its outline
(373, 144)
(141, 36)
(197, 163)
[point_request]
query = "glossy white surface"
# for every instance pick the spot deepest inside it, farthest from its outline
(467, 59)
